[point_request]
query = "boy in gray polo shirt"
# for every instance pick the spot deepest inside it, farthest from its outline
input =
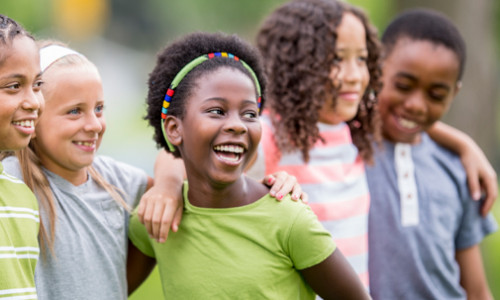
(424, 229)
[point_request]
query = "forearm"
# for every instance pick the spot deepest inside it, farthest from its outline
(139, 266)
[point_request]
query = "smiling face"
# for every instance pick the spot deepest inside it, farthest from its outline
(351, 74)
(20, 92)
(220, 130)
(72, 124)
(419, 83)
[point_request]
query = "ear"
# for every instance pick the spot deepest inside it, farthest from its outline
(173, 130)
(458, 86)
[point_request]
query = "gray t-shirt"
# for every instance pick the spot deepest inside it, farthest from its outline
(91, 234)
(414, 258)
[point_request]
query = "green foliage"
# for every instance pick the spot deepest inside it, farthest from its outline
(32, 14)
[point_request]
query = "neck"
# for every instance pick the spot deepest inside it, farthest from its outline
(216, 195)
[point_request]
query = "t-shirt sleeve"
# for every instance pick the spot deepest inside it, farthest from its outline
(309, 242)
(139, 236)
(473, 227)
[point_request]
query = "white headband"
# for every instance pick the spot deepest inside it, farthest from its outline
(51, 53)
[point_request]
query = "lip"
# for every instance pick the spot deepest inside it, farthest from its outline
(26, 125)
(230, 153)
(352, 96)
(407, 125)
(86, 145)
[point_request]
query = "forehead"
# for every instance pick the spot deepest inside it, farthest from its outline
(423, 60)
(351, 32)
(19, 53)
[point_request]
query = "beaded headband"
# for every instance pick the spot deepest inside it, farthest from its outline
(184, 71)
(51, 53)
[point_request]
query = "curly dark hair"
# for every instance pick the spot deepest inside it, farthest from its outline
(297, 42)
(175, 56)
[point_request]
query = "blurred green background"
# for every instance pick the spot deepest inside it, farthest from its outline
(123, 37)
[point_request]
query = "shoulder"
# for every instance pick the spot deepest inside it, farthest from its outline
(111, 168)
(12, 167)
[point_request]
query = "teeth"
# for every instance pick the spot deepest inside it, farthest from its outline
(88, 144)
(407, 123)
(229, 148)
(25, 123)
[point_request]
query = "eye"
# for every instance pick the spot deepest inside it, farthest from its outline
(250, 114)
(74, 111)
(401, 86)
(37, 85)
(437, 96)
(14, 86)
(99, 109)
(216, 111)
(363, 58)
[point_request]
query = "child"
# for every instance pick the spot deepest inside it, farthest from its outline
(322, 59)
(424, 229)
(204, 97)
(20, 100)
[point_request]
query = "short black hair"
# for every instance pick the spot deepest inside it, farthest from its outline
(178, 54)
(426, 25)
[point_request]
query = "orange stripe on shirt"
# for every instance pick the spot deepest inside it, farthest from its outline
(353, 245)
(331, 211)
(319, 174)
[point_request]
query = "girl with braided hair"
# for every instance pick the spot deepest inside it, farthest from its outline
(20, 101)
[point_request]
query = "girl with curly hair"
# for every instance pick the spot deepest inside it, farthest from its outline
(322, 60)
(204, 100)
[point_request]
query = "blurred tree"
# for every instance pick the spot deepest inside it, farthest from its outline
(79, 19)
(475, 109)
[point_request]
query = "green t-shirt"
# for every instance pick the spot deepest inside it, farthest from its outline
(247, 252)
(19, 223)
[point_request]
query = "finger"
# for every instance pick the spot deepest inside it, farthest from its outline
(305, 197)
(474, 185)
(165, 223)
(491, 189)
(276, 189)
(177, 219)
(148, 217)
(296, 192)
(142, 208)
(269, 180)
(160, 207)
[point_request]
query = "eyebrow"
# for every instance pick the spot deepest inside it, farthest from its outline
(411, 77)
(246, 101)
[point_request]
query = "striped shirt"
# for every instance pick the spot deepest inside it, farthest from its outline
(335, 180)
(19, 223)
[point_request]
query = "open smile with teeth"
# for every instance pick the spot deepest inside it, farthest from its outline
(229, 153)
(25, 123)
(405, 123)
(86, 144)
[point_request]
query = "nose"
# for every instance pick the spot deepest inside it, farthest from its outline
(351, 71)
(32, 100)
(415, 103)
(235, 124)
(94, 123)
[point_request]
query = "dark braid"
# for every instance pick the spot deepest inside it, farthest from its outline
(9, 29)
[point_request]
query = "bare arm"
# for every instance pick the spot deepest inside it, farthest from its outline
(161, 206)
(480, 173)
(472, 277)
(334, 278)
(139, 266)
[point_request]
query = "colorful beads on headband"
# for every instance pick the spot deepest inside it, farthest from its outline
(191, 65)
